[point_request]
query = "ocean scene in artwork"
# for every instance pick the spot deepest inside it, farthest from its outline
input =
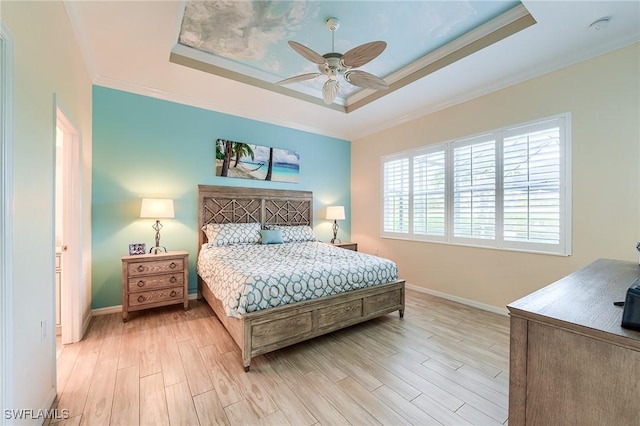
(249, 161)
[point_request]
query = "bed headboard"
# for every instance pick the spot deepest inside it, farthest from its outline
(226, 204)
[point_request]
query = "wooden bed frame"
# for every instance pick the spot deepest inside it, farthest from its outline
(268, 330)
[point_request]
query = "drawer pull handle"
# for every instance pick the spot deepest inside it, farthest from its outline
(173, 280)
(173, 265)
(140, 268)
(173, 293)
(140, 283)
(140, 298)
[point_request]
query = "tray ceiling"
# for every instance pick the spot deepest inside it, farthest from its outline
(247, 41)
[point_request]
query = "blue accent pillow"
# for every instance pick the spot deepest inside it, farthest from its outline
(271, 236)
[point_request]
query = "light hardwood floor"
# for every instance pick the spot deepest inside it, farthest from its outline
(444, 363)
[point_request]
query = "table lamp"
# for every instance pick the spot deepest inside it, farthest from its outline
(335, 213)
(157, 208)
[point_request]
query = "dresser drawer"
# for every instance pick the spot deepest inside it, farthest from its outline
(153, 282)
(157, 296)
(155, 267)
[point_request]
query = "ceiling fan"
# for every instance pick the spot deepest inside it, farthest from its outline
(335, 64)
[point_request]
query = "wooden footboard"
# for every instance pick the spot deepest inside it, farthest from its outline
(271, 329)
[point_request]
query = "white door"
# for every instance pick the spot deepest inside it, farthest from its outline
(71, 224)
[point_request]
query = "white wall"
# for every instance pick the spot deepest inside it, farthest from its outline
(47, 62)
(603, 96)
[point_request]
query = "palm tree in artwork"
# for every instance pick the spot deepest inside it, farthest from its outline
(228, 150)
(270, 169)
(242, 150)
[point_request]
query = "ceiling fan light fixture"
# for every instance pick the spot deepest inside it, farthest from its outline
(334, 64)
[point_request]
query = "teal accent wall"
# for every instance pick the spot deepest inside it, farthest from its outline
(145, 148)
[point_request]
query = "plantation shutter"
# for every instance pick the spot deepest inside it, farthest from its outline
(474, 190)
(396, 195)
(429, 193)
(532, 184)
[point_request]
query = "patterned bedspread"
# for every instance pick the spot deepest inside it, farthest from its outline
(251, 277)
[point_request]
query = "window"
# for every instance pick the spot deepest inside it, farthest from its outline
(508, 189)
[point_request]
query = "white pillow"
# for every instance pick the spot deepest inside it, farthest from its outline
(223, 234)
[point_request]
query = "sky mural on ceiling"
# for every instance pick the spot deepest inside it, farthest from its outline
(253, 35)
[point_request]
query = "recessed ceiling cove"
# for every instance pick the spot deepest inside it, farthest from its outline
(248, 41)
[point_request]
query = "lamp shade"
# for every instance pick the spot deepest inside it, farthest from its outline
(335, 213)
(156, 208)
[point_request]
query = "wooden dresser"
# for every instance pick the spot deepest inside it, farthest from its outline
(152, 280)
(571, 361)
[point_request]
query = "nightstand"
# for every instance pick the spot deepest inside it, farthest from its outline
(152, 280)
(346, 245)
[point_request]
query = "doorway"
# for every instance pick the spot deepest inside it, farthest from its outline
(68, 227)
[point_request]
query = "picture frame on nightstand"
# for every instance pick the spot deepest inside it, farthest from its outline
(137, 248)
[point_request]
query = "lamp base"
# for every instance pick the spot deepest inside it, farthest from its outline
(157, 249)
(335, 233)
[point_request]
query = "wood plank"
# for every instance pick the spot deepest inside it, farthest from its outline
(209, 409)
(129, 355)
(150, 342)
(180, 405)
(410, 412)
(65, 364)
(223, 381)
(254, 392)
(476, 417)
(286, 398)
(126, 402)
(77, 387)
(172, 367)
(241, 414)
(318, 405)
(153, 402)
(381, 412)
(348, 408)
(439, 412)
(97, 409)
(195, 370)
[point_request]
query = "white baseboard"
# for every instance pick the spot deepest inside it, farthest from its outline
(468, 302)
(118, 308)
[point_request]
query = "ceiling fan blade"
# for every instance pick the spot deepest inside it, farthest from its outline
(366, 80)
(358, 56)
(307, 53)
(297, 78)
(330, 91)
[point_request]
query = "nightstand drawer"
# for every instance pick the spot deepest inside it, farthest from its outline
(152, 297)
(155, 267)
(153, 282)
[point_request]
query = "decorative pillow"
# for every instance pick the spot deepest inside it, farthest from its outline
(296, 234)
(271, 236)
(223, 234)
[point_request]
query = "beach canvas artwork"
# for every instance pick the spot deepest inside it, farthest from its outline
(249, 161)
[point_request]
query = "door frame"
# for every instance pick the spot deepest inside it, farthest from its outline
(6, 217)
(71, 300)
